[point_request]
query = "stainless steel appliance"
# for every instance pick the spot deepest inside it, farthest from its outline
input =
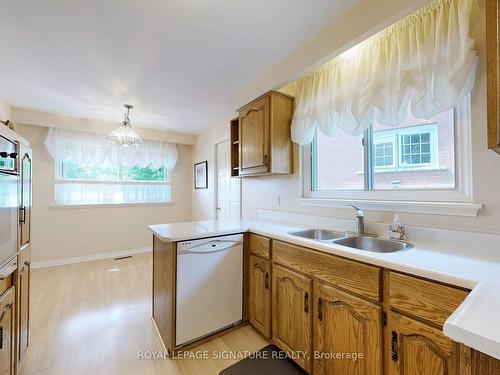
(9, 202)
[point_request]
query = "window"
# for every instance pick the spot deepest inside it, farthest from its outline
(70, 170)
(91, 171)
(413, 161)
(384, 148)
(86, 184)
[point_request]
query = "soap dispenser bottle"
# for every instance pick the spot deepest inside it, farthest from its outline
(396, 230)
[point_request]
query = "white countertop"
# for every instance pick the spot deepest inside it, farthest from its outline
(476, 322)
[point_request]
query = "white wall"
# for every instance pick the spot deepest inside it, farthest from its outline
(4, 110)
(204, 149)
(75, 232)
(266, 192)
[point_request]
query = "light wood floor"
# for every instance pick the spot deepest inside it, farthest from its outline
(94, 318)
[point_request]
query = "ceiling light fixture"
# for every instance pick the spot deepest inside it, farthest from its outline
(125, 135)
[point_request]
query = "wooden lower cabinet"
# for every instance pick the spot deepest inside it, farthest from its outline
(331, 308)
(345, 324)
(260, 295)
(292, 310)
(23, 304)
(7, 332)
(415, 348)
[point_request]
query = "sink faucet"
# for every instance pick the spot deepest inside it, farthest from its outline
(360, 222)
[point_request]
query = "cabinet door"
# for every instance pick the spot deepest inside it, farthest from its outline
(260, 295)
(7, 332)
(414, 348)
(23, 304)
(25, 209)
(346, 325)
(254, 138)
(292, 314)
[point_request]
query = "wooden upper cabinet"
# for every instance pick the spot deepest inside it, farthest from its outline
(292, 310)
(414, 348)
(346, 324)
(254, 138)
(260, 295)
(264, 140)
(493, 73)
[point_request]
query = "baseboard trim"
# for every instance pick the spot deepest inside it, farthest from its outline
(88, 258)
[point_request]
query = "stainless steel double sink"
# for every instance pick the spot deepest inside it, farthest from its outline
(377, 245)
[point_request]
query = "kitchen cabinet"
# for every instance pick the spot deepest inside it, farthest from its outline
(7, 332)
(23, 304)
(26, 196)
(327, 305)
(24, 259)
(292, 310)
(259, 299)
(493, 73)
(346, 324)
(259, 245)
(263, 136)
(417, 348)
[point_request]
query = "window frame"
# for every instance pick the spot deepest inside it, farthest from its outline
(463, 182)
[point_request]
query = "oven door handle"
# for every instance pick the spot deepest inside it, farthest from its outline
(8, 269)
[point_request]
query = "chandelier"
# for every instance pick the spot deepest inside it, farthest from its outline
(125, 135)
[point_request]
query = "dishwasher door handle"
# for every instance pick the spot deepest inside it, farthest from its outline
(210, 247)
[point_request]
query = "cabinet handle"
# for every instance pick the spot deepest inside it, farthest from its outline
(320, 307)
(394, 346)
(22, 218)
(266, 281)
(306, 302)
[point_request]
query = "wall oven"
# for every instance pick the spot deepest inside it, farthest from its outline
(9, 201)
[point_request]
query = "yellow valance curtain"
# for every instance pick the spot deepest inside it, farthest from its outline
(426, 63)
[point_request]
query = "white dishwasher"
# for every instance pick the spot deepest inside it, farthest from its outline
(209, 291)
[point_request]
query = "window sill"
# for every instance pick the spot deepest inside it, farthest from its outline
(403, 170)
(429, 208)
(59, 206)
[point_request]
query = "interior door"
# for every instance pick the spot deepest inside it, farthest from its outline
(26, 197)
(348, 325)
(228, 188)
(292, 312)
(254, 138)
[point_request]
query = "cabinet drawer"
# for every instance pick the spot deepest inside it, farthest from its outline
(357, 277)
(259, 245)
(425, 299)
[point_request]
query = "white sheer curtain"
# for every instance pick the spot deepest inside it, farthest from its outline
(425, 62)
(81, 147)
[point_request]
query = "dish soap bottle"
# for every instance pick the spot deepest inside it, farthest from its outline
(396, 230)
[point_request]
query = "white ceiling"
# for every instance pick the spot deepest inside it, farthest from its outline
(180, 62)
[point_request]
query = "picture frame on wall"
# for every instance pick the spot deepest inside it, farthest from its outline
(201, 175)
